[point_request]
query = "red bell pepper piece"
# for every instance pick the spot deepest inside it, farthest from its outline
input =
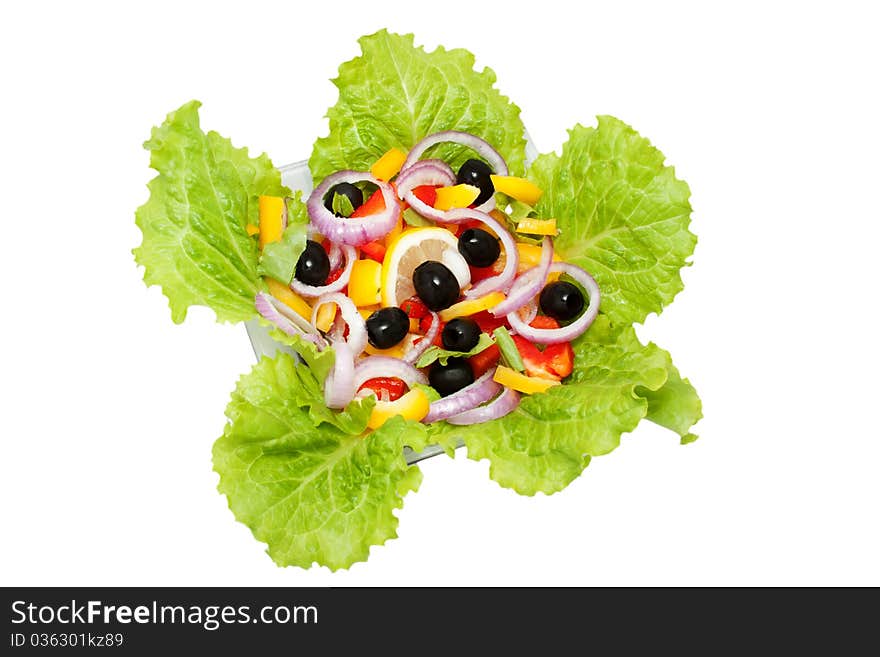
(387, 388)
(482, 361)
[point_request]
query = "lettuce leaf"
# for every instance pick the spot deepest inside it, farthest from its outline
(322, 494)
(278, 259)
(320, 362)
(195, 245)
(675, 405)
(550, 438)
(395, 94)
(623, 216)
(434, 352)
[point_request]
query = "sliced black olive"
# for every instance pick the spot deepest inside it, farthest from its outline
(476, 173)
(452, 377)
(478, 247)
(313, 266)
(436, 285)
(561, 300)
(460, 334)
(386, 327)
(355, 196)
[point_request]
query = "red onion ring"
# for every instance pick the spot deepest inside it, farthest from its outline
(373, 366)
(334, 255)
(502, 280)
(529, 311)
(577, 327)
(528, 284)
(345, 230)
(285, 319)
(357, 327)
(418, 349)
(480, 391)
(481, 146)
(424, 172)
(339, 385)
(503, 404)
(316, 291)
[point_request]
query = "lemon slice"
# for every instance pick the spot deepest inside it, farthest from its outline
(410, 249)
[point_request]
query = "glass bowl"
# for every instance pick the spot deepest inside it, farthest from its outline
(296, 176)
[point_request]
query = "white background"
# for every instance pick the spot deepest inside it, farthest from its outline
(109, 410)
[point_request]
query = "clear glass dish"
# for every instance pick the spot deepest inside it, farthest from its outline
(296, 176)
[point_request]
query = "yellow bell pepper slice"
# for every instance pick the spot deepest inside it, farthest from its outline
(252, 230)
(388, 166)
(366, 311)
(365, 284)
(518, 381)
(414, 405)
(289, 298)
(471, 306)
(397, 351)
(538, 227)
(530, 256)
(457, 196)
(519, 188)
(272, 210)
(325, 317)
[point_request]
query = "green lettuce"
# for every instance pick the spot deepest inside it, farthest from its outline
(320, 361)
(622, 215)
(434, 352)
(313, 493)
(545, 443)
(395, 94)
(195, 245)
(279, 259)
(675, 405)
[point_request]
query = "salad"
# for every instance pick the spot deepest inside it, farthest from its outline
(433, 288)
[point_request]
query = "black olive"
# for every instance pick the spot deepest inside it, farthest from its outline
(436, 286)
(476, 173)
(562, 301)
(313, 266)
(386, 327)
(460, 334)
(355, 196)
(452, 377)
(478, 247)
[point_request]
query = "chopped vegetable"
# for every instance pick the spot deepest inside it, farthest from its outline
(427, 194)
(289, 298)
(272, 212)
(442, 355)
(374, 251)
(485, 360)
(535, 362)
(522, 383)
(537, 227)
(518, 188)
(478, 174)
(374, 205)
(387, 166)
(252, 230)
(509, 353)
(530, 255)
(364, 285)
(325, 316)
(457, 196)
(471, 306)
(387, 388)
(414, 405)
